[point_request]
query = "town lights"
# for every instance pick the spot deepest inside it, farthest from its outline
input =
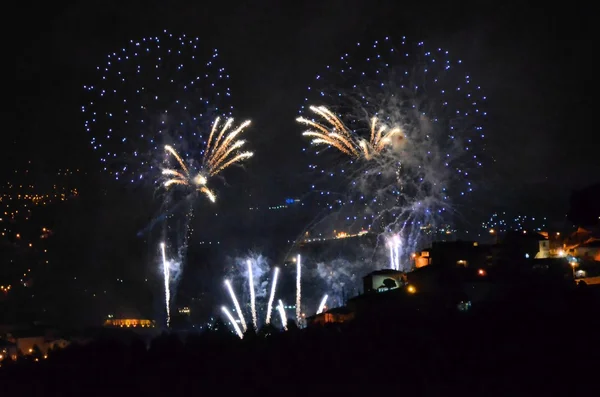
(411, 289)
(481, 272)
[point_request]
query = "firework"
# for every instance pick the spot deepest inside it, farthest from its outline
(411, 121)
(342, 277)
(298, 290)
(322, 305)
(272, 296)
(252, 294)
(394, 244)
(501, 222)
(332, 132)
(154, 91)
(237, 329)
(236, 304)
(282, 315)
(219, 154)
(167, 279)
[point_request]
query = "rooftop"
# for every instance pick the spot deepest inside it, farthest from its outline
(384, 272)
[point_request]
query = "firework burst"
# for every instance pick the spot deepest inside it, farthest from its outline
(411, 122)
(220, 153)
(332, 132)
(154, 91)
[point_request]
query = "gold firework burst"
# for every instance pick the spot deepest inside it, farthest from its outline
(220, 153)
(332, 132)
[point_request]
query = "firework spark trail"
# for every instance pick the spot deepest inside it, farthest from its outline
(322, 305)
(166, 277)
(222, 151)
(272, 296)
(236, 304)
(252, 294)
(298, 290)
(237, 329)
(423, 120)
(394, 243)
(219, 154)
(337, 135)
(397, 246)
(187, 232)
(342, 277)
(282, 315)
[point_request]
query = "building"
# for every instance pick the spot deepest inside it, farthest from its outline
(458, 284)
(383, 280)
(457, 253)
(334, 316)
(587, 251)
(184, 311)
(544, 250)
(32, 340)
(352, 247)
(516, 246)
(129, 323)
(422, 259)
(553, 270)
(7, 349)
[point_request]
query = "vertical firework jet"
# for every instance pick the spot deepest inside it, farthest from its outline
(236, 304)
(298, 290)
(252, 294)
(238, 331)
(272, 296)
(282, 314)
(322, 305)
(166, 277)
(394, 244)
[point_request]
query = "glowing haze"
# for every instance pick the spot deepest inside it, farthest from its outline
(408, 123)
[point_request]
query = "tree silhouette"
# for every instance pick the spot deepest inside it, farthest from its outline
(291, 325)
(250, 334)
(389, 283)
(267, 330)
(36, 352)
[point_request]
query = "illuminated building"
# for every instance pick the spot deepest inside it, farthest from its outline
(358, 246)
(587, 251)
(184, 311)
(129, 323)
(32, 341)
(7, 349)
(334, 316)
(422, 259)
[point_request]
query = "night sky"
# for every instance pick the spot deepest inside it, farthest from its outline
(535, 65)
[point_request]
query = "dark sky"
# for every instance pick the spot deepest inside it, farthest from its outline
(535, 64)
